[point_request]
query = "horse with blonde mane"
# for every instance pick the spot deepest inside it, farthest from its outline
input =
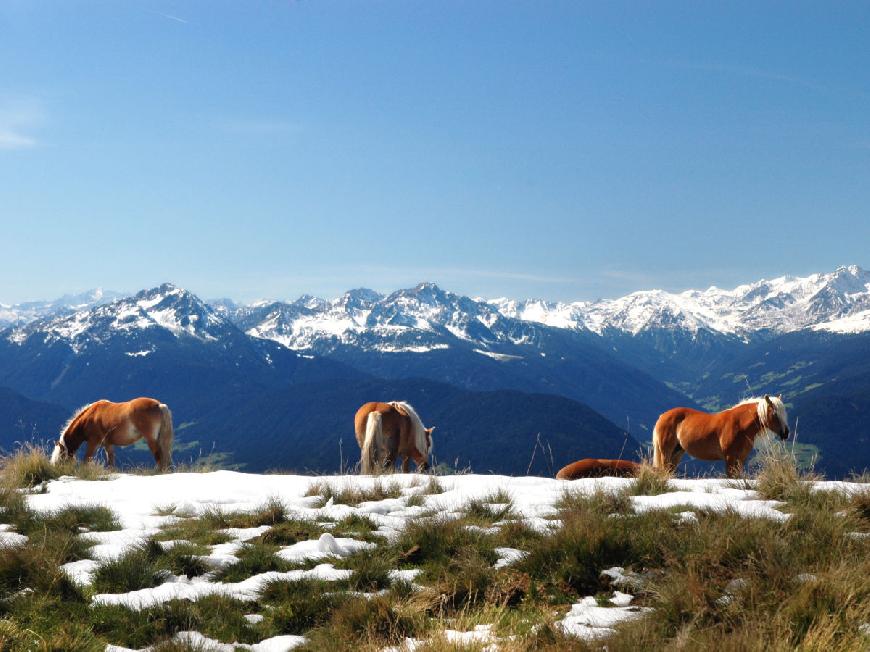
(728, 435)
(387, 431)
(108, 424)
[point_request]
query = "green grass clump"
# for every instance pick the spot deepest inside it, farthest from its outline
(271, 513)
(201, 530)
(497, 506)
(253, 559)
(136, 569)
(432, 543)
(215, 616)
(371, 569)
(292, 531)
(76, 519)
(366, 623)
(296, 606)
(356, 526)
(599, 503)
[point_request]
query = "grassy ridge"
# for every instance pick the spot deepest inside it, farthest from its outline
(723, 582)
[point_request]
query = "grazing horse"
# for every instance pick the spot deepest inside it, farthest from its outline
(110, 424)
(387, 431)
(728, 435)
(595, 468)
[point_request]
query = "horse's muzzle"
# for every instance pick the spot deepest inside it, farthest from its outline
(784, 434)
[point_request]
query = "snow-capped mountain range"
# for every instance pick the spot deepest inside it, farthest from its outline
(166, 308)
(838, 302)
(427, 318)
(23, 313)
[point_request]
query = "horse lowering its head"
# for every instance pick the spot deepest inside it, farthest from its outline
(728, 435)
(109, 424)
(387, 431)
(595, 468)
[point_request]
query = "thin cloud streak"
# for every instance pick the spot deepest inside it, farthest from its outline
(171, 17)
(17, 117)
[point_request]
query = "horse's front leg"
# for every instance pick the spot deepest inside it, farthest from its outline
(406, 464)
(733, 467)
(421, 462)
(90, 450)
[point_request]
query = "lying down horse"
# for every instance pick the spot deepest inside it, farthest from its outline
(728, 435)
(110, 424)
(387, 431)
(595, 468)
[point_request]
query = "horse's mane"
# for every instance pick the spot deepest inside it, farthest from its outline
(419, 430)
(762, 408)
(73, 419)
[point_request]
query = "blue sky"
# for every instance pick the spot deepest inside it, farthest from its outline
(566, 150)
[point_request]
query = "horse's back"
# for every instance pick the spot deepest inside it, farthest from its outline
(143, 404)
(597, 468)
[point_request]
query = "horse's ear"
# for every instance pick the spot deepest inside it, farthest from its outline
(767, 397)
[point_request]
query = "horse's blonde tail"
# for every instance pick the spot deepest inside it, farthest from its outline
(165, 437)
(658, 456)
(372, 444)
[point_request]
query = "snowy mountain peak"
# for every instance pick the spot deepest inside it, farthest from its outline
(163, 308)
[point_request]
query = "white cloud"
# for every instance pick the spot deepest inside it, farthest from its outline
(19, 117)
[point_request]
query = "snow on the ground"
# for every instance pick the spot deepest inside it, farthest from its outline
(8, 538)
(481, 634)
(588, 620)
(137, 500)
(140, 504)
(197, 641)
(81, 572)
(183, 588)
(508, 556)
(325, 546)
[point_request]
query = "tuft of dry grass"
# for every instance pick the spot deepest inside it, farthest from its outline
(30, 466)
(354, 495)
(650, 481)
(778, 477)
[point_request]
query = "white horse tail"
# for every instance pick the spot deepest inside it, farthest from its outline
(165, 437)
(373, 443)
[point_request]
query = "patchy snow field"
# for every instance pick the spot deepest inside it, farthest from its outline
(141, 504)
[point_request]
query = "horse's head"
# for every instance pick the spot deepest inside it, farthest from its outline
(60, 452)
(71, 437)
(423, 460)
(777, 417)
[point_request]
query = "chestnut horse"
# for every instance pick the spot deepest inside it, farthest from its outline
(387, 431)
(110, 424)
(595, 468)
(728, 435)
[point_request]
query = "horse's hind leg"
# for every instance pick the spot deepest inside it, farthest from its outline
(110, 455)
(155, 450)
